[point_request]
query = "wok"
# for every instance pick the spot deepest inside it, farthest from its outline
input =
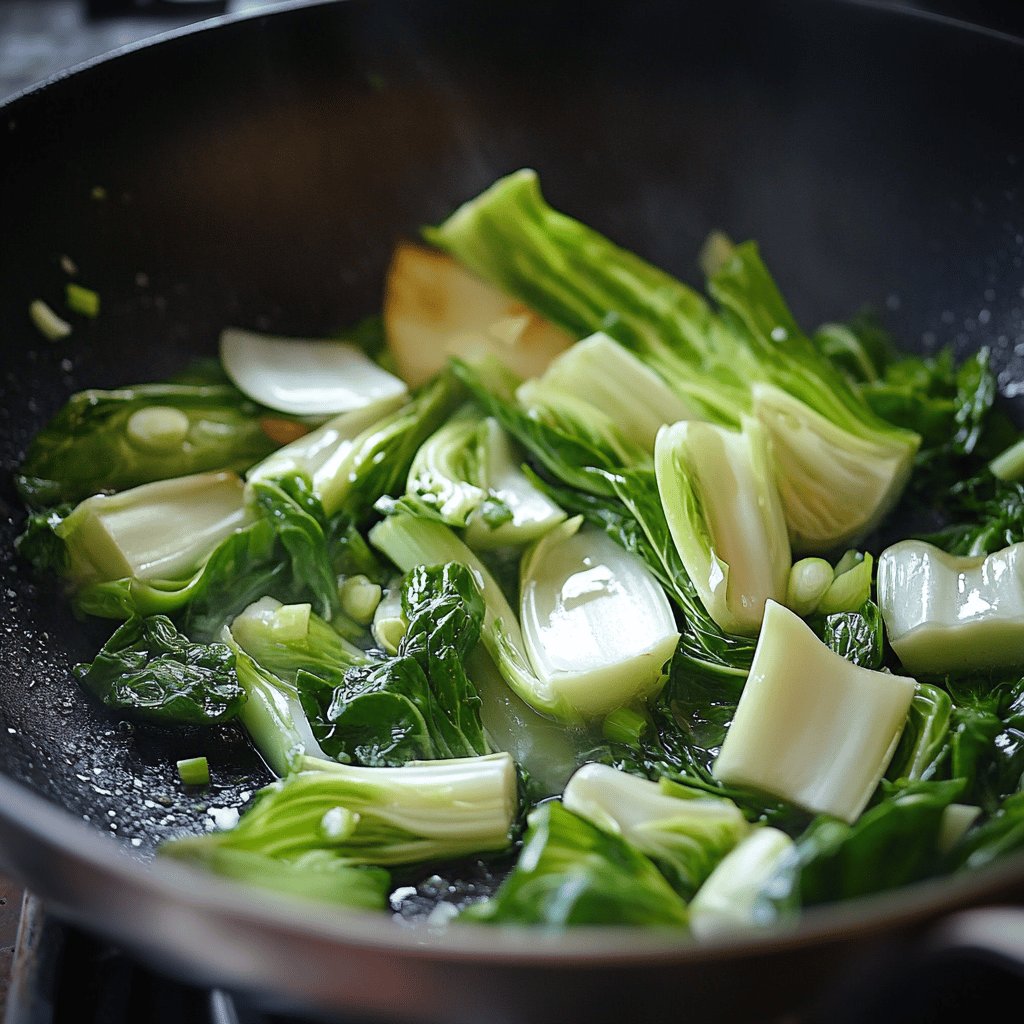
(258, 172)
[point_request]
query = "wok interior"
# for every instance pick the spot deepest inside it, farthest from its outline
(260, 173)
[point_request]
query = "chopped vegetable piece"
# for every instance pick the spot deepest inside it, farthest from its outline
(851, 586)
(434, 309)
(157, 531)
(572, 873)
(597, 626)
(809, 579)
(306, 377)
(98, 442)
(360, 598)
(1009, 464)
(516, 512)
(420, 704)
(957, 820)
(49, 325)
(718, 491)
(83, 301)
(728, 899)
(685, 832)
(811, 727)
(150, 670)
(835, 484)
(609, 377)
(944, 613)
(427, 810)
(194, 771)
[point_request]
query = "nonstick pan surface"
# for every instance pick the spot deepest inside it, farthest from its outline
(258, 172)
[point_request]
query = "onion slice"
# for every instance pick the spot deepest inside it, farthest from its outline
(302, 376)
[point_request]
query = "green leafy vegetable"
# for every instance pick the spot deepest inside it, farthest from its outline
(420, 704)
(685, 831)
(112, 440)
(893, 844)
(149, 670)
(427, 811)
(751, 357)
(572, 873)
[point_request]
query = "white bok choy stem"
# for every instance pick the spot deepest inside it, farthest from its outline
(465, 804)
(723, 509)
(161, 530)
(944, 613)
(303, 376)
(410, 541)
(598, 627)
(527, 512)
(467, 472)
(835, 485)
(687, 834)
(319, 454)
(614, 381)
(727, 901)
(447, 472)
(272, 714)
(811, 727)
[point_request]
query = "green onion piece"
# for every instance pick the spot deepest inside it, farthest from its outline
(624, 725)
(46, 322)
(81, 300)
(194, 771)
(1009, 465)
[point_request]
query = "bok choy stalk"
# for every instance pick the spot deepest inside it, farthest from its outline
(686, 832)
(201, 548)
(306, 377)
(811, 727)
(544, 667)
(728, 900)
(156, 531)
(285, 639)
(597, 627)
(718, 491)
(150, 671)
(606, 375)
(466, 472)
(359, 456)
(319, 876)
(570, 872)
(273, 715)
(113, 440)
(578, 447)
(426, 810)
(584, 283)
(418, 704)
(945, 613)
(411, 541)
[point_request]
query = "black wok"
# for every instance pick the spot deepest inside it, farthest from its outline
(258, 172)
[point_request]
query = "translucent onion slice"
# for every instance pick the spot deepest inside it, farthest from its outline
(305, 377)
(434, 308)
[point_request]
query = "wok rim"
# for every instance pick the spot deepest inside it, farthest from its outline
(51, 828)
(57, 831)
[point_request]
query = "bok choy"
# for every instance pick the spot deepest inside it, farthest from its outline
(558, 580)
